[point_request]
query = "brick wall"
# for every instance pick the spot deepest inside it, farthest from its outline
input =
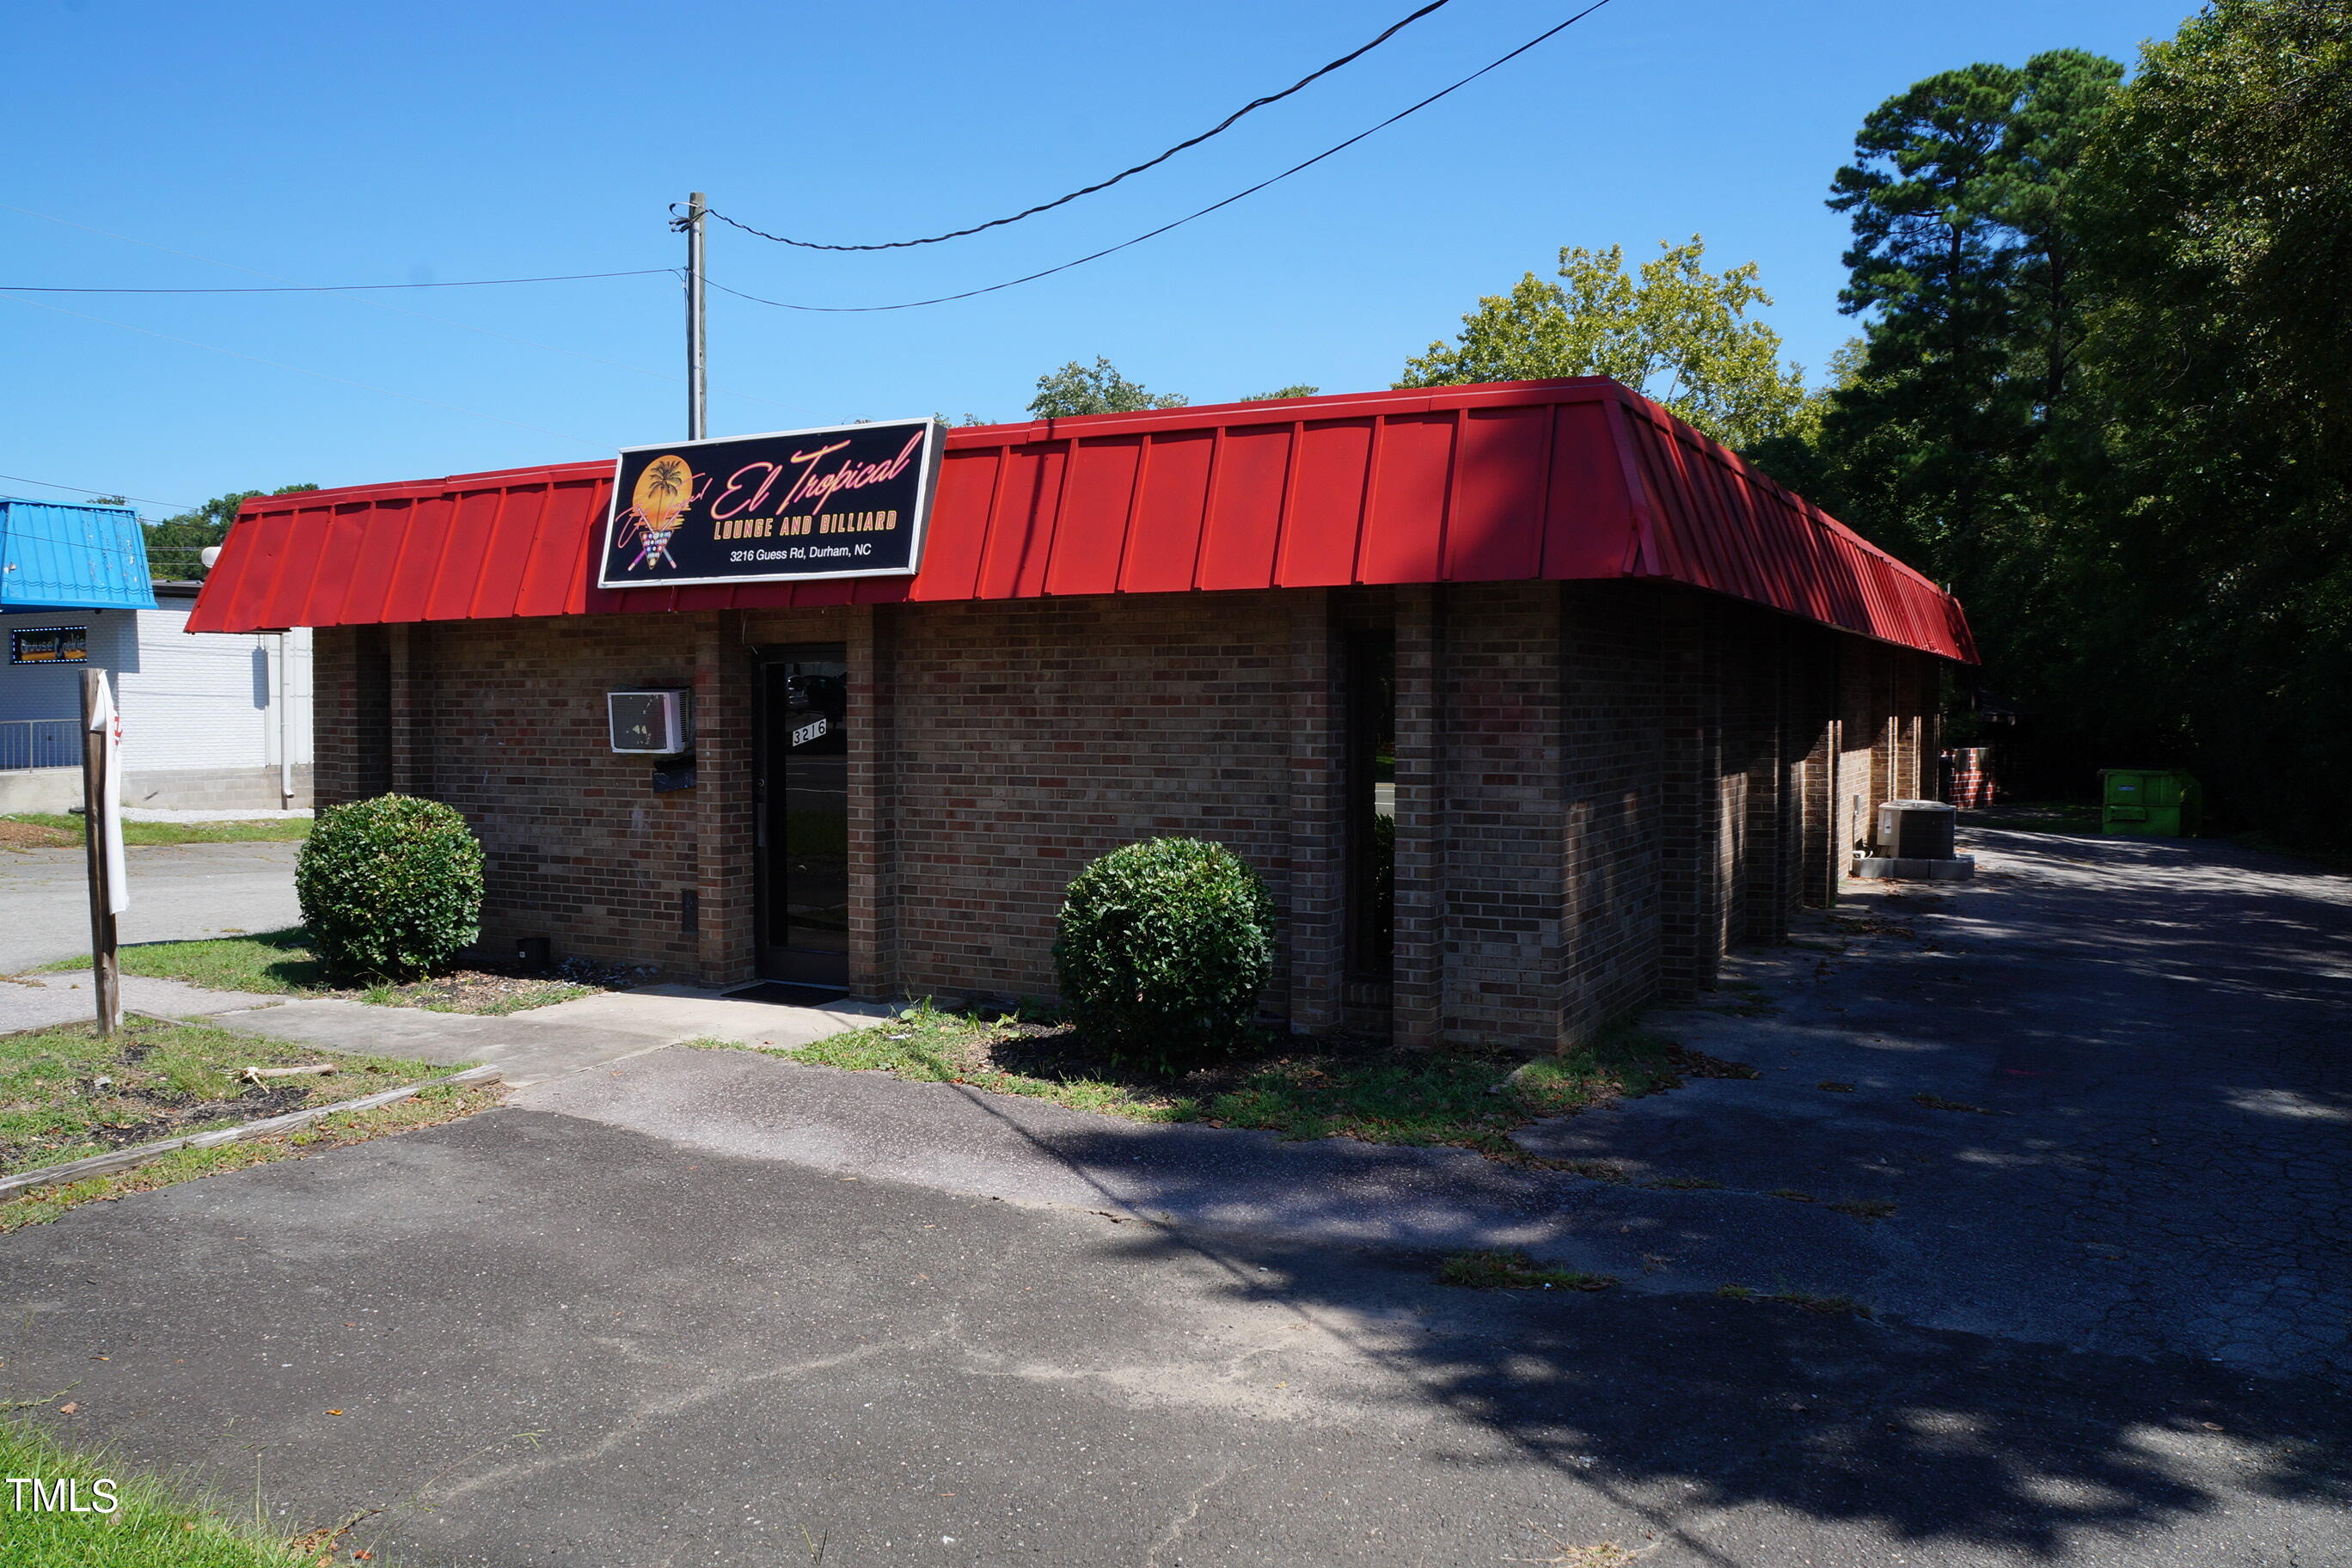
(505, 720)
(1028, 737)
(1600, 786)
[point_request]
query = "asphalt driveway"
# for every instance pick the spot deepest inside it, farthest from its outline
(2108, 1087)
(708, 1307)
(178, 892)
(2101, 1099)
(529, 1337)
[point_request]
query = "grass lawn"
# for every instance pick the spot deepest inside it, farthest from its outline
(48, 830)
(282, 963)
(1378, 1094)
(68, 1092)
(153, 1526)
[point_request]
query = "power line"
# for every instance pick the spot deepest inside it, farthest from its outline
(338, 288)
(86, 490)
(1163, 229)
(1218, 129)
(397, 311)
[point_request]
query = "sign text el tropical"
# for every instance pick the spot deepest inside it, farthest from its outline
(850, 501)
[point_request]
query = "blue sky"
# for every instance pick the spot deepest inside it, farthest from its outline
(328, 145)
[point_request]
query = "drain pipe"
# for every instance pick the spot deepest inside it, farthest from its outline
(285, 734)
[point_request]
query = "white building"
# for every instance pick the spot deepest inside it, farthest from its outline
(212, 720)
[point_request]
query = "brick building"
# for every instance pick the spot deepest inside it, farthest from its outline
(1593, 700)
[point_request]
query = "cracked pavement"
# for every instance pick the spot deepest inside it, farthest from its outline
(533, 1339)
(704, 1307)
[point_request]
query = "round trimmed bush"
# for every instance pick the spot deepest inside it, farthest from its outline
(1163, 948)
(390, 887)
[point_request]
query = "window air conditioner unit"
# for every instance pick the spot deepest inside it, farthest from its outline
(650, 723)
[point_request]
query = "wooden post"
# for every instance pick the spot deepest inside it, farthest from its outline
(97, 782)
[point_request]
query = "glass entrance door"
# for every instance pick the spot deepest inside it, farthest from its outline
(804, 844)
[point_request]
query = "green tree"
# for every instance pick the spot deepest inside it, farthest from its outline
(2208, 567)
(1963, 267)
(1075, 389)
(1298, 389)
(1678, 333)
(173, 544)
(2105, 389)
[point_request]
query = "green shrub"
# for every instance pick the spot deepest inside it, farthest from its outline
(1163, 948)
(390, 887)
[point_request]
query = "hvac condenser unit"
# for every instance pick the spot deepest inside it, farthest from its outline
(1914, 842)
(650, 723)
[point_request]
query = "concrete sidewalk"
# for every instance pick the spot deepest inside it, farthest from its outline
(533, 1046)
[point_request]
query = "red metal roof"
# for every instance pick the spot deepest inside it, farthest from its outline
(1499, 483)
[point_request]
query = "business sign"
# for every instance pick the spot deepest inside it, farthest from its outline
(48, 645)
(847, 502)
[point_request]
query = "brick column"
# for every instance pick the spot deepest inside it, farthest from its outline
(1765, 839)
(350, 715)
(1863, 727)
(1418, 986)
(1886, 739)
(1931, 729)
(1820, 737)
(1314, 925)
(1501, 863)
(873, 925)
(1691, 800)
(722, 916)
(1916, 698)
(404, 707)
(1611, 779)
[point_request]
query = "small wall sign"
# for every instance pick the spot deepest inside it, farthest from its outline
(849, 501)
(48, 645)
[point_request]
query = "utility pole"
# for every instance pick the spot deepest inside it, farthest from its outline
(101, 825)
(696, 400)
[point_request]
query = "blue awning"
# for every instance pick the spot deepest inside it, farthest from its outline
(56, 556)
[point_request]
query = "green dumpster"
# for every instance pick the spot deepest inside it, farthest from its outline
(2157, 803)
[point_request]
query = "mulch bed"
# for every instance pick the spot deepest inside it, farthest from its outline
(509, 988)
(171, 1113)
(1060, 1051)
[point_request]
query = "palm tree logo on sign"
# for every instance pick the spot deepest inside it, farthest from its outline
(663, 493)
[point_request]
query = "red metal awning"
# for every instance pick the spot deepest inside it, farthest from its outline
(1500, 482)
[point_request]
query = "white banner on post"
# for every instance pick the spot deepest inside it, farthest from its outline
(105, 719)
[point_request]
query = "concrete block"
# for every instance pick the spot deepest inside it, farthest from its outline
(1958, 868)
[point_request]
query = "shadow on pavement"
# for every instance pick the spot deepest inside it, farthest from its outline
(1678, 1405)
